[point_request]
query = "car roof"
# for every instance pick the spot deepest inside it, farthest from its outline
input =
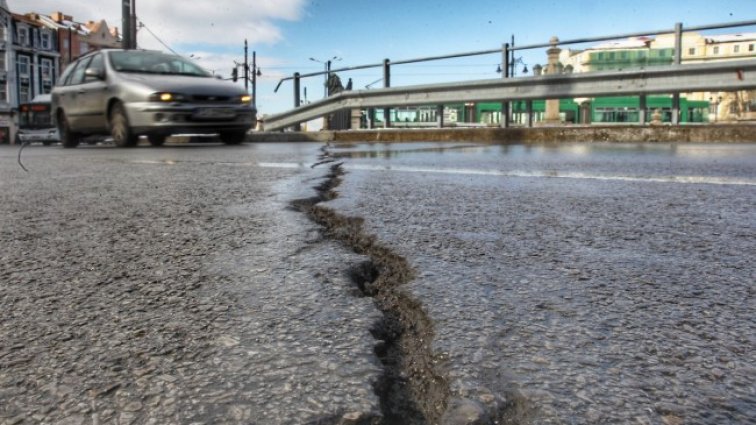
(108, 50)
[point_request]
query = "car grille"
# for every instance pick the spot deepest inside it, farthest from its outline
(197, 98)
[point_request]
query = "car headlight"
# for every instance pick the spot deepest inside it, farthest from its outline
(245, 99)
(167, 97)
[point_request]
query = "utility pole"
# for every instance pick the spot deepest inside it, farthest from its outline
(126, 23)
(254, 79)
(246, 67)
(133, 25)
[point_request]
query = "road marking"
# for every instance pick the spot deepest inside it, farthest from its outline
(557, 174)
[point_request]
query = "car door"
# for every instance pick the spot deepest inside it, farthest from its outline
(67, 96)
(92, 95)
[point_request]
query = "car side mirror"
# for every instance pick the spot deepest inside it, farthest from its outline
(95, 73)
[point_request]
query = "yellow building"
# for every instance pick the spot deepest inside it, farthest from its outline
(643, 52)
(725, 106)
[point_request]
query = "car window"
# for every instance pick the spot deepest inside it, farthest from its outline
(62, 81)
(147, 62)
(98, 64)
(77, 76)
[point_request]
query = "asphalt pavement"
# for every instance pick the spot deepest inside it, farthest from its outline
(176, 286)
(378, 283)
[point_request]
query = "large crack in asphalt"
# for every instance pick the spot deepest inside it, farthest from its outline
(412, 390)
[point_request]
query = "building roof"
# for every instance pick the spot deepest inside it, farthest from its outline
(58, 20)
(29, 19)
(63, 24)
(732, 38)
(628, 43)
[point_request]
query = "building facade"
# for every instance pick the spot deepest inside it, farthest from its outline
(34, 50)
(37, 58)
(644, 52)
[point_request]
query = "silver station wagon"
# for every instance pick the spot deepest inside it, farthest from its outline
(128, 93)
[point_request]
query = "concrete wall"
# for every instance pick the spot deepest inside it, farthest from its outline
(737, 133)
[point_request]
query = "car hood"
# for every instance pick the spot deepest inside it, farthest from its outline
(185, 84)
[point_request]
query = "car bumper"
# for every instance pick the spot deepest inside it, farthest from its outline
(154, 118)
(46, 137)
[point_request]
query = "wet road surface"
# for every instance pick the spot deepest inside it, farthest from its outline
(586, 283)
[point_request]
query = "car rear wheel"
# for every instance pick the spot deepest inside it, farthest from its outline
(68, 138)
(119, 128)
(157, 139)
(233, 137)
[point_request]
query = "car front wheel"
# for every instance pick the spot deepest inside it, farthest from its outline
(119, 128)
(233, 137)
(68, 138)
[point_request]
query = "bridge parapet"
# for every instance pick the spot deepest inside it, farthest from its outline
(674, 79)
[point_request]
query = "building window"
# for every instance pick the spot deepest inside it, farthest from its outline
(23, 36)
(45, 40)
(751, 47)
(2, 63)
(715, 50)
(692, 51)
(3, 92)
(83, 47)
(24, 94)
(46, 74)
(736, 48)
(23, 66)
(2, 33)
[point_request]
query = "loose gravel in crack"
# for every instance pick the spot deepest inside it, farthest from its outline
(412, 389)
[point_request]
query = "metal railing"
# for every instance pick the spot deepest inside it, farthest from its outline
(507, 52)
(717, 76)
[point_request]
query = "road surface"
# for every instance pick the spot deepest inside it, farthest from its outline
(407, 283)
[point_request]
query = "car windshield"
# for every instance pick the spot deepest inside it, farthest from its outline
(154, 63)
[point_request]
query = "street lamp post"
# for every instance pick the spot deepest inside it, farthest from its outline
(515, 61)
(327, 72)
(254, 70)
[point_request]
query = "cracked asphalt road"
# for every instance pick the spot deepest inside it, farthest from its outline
(176, 286)
(589, 283)
(576, 283)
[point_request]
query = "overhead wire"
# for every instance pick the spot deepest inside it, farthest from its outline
(142, 25)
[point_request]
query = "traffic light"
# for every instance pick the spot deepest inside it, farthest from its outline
(235, 74)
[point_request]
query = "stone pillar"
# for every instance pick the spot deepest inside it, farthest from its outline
(356, 123)
(552, 105)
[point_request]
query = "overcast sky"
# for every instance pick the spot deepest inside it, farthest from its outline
(286, 33)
